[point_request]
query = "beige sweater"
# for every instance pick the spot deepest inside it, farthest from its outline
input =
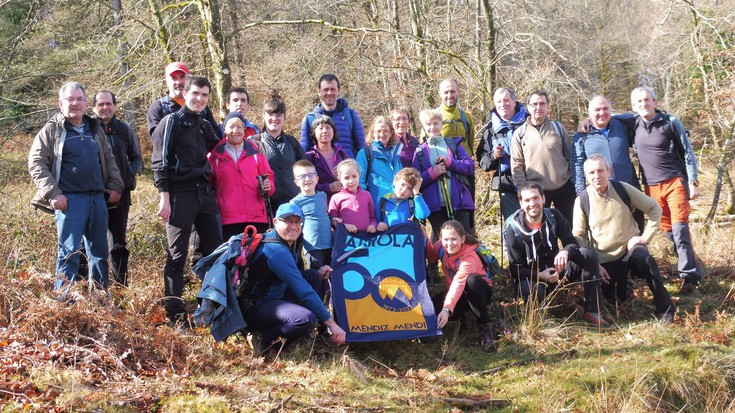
(610, 224)
(539, 156)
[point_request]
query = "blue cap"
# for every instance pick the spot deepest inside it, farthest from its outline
(289, 209)
(233, 115)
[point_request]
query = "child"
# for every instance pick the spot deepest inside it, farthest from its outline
(464, 274)
(352, 206)
(445, 168)
(393, 209)
(317, 229)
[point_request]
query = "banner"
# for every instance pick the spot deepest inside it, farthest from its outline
(379, 285)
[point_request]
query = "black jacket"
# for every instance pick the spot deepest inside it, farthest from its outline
(125, 148)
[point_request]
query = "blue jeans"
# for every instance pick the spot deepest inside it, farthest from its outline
(85, 216)
(508, 204)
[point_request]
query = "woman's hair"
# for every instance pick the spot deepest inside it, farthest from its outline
(455, 225)
(430, 114)
(321, 120)
(347, 163)
(410, 175)
(400, 110)
(273, 102)
(386, 121)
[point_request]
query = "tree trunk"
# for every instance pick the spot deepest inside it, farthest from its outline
(217, 50)
(490, 45)
(162, 35)
(122, 53)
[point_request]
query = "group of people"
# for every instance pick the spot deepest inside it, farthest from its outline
(218, 179)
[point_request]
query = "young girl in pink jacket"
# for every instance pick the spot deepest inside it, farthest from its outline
(468, 287)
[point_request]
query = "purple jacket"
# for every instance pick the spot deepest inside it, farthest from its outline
(326, 175)
(459, 163)
(410, 143)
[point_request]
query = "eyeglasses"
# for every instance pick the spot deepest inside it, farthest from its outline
(291, 221)
(304, 177)
(75, 100)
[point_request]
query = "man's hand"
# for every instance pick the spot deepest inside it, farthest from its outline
(382, 226)
(164, 206)
(694, 192)
(335, 187)
(266, 187)
(549, 275)
(338, 335)
(633, 241)
(498, 151)
(604, 276)
(113, 197)
(584, 126)
(351, 228)
(561, 260)
(442, 318)
(371, 229)
(59, 203)
(325, 272)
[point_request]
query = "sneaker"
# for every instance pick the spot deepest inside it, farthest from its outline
(688, 288)
(487, 337)
(595, 319)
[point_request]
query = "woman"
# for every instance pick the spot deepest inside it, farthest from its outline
(325, 154)
(282, 150)
(401, 122)
(236, 166)
(379, 160)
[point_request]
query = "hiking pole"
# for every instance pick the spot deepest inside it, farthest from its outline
(267, 199)
(444, 189)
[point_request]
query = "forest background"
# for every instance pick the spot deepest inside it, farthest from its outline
(386, 53)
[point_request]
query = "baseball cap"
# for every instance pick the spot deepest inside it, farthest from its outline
(289, 209)
(176, 67)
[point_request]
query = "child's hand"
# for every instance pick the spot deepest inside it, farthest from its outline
(371, 229)
(336, 221)
(382, 226)
(325, 272)
(351, 228)
(417, 187)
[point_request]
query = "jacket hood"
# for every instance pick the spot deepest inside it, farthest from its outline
(518, 119)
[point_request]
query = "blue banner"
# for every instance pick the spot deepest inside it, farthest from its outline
(379, 285)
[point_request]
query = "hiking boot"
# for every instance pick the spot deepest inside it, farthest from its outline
(257, 343)
(688, 288)
(487, 337)
(595, 319)
(467, 320)
(666, 317)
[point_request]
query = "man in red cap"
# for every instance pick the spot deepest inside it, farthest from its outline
(176, 74)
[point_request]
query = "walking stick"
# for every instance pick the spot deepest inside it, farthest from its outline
(267, 199)
(444, 189)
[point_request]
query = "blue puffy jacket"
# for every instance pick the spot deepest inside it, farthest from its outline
(349, 127)
(385, 165)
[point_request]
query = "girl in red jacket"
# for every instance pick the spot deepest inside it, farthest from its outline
(464, 274)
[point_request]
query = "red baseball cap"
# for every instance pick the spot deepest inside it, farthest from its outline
(176, 67)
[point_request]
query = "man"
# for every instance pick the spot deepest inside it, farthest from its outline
(280, 300)
(669, 174)
(126, 149)
(603, 221)
(457, 123)
(181, 174)
(541, 153)
(537, 266)
(176, 74)
(349, 126)
(72, 165)
(608, 137)
(239, 101)
(493, 152)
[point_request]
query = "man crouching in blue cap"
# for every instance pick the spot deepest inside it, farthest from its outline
(284, 301)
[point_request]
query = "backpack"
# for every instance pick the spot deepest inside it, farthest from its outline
(251, 240)
(489, 262)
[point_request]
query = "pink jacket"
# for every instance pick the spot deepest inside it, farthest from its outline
(236, 184)
(457, 268)
(353, 208)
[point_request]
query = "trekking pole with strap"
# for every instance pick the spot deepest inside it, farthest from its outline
(444, 189)
(267, 199)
